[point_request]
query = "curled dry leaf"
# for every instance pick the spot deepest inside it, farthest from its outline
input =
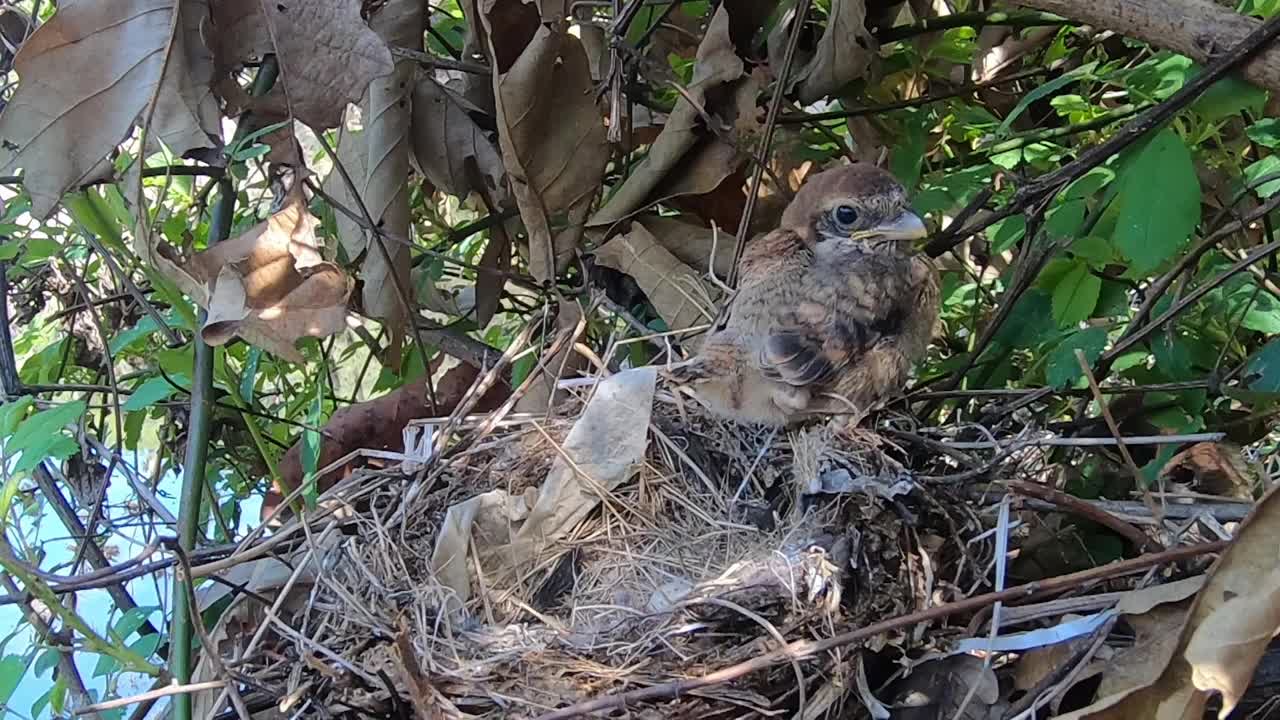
(843, 54)
(328, 56)
(1231, 622)
(716, 65)
(1213, 468)
(553, 143)
(680, 295)
(88, 75)
(269, 285)
(449, 148)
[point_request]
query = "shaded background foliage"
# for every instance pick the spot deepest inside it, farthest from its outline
(506, 165)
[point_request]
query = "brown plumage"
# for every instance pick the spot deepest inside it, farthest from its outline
(832, 308)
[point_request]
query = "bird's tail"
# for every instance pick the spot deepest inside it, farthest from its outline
(685, 371)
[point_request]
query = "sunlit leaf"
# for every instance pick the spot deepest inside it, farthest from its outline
(1159, 202)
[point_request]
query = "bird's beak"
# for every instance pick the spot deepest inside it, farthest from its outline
(907, 226)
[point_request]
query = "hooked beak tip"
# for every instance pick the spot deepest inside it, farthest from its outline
(907, 226)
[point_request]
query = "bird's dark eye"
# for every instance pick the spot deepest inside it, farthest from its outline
(846, 215)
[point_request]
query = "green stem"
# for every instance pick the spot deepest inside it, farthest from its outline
(94, 642)
(193, 476)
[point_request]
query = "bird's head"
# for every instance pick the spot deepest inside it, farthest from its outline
(854, 206)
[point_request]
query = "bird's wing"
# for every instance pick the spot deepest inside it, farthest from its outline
(843, 314)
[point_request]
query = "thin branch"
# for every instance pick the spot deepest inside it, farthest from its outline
(803, 649)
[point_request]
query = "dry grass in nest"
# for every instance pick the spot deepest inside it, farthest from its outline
(717, 546)
(668, 576)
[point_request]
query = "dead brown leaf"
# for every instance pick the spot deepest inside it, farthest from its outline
(317, 78)
(679, 294)
(270, 285)
(496, 260)
(843, 53)
(553, 143)
(1230, 623)
(701, 248)
(1213, 468)
(88, 74)
(715, 66)
(449, 148)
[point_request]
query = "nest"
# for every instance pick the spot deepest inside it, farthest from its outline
(676, 547)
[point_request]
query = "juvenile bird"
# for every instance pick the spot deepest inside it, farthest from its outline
(832, 309)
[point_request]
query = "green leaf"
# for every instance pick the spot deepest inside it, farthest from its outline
(1029, 323)
(45, 662)
(1268, 166)
(1261, 8)
(1090, 183)
(908, 154)
(42, 437)
(146, 645)
(12, 668)
(1093, 249)
(1007, 232)
(1064, 220)
(1062, 368)
(311, 439)
(1161, 76)
(151, 392)
(249, 376)
(105, 666)
(1075, 296)
(1159, 203)
(11, 413)
(1263, 371)
(9, 250)
(1080, 73)
(1265, 132)
(1228, 97)
(132, 619)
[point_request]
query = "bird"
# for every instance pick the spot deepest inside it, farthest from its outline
(832, 309)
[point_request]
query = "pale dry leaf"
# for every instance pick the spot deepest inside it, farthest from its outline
(1155, 639)
(553, 144)
(1227, 646)
(715, 65)
(449, 148)
(353, 154)
(679, 294)
(327, 55)
(508, 533)
(269, 285)
(843, 53)
(388, 124)
(1230, 623)
(87, 75)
